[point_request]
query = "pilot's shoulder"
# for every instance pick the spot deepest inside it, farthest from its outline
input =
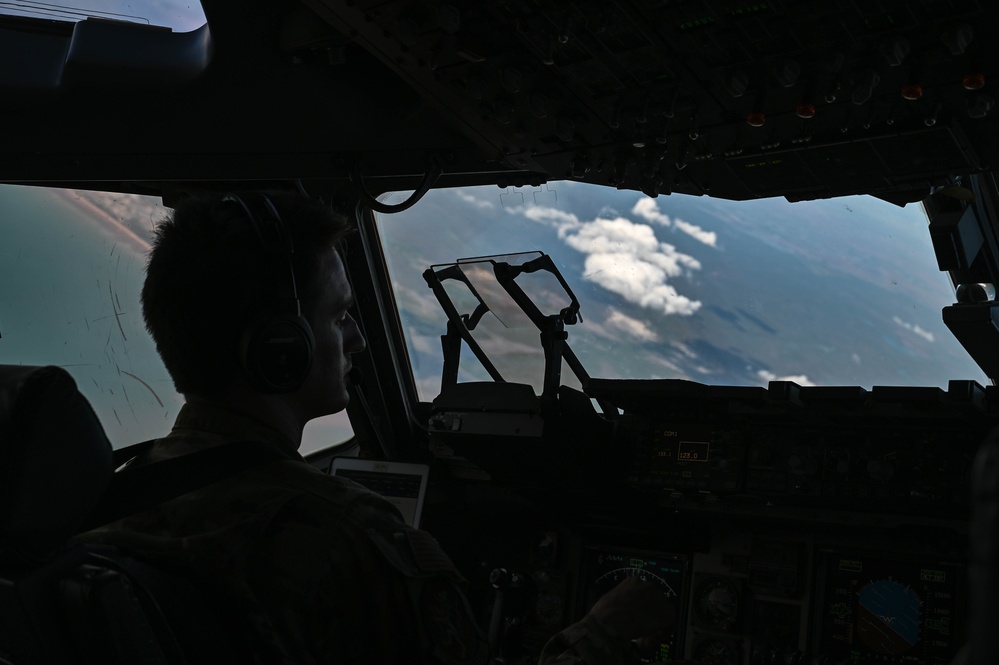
(412, 552)
(353, 502)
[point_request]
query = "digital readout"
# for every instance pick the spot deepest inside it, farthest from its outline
(692, 451)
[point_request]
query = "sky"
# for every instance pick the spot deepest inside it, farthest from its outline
(181, 15)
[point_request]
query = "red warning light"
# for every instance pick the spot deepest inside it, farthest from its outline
(806, 111)
(912, 91)
(756, 119)
(973, 81)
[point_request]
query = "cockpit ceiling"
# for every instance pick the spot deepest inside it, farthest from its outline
(733, 99)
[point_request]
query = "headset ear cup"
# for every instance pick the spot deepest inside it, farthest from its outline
(277, 353)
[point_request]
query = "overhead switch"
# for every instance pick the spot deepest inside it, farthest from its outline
(737, 83)
(895, 51)
(958, 39)
(787, 72)
(979, 105)
(565, 129)
(866, 83)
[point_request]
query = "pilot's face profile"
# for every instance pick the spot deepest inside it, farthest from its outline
(337, 337)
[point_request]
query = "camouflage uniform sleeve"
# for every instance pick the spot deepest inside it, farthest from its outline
(357, 585)
(447, 631)
(587, 642)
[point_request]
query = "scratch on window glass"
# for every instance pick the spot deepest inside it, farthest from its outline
(129, 402)
(148, 387)
(117, 314)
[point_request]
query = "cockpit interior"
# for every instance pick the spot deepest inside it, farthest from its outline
(700, 292)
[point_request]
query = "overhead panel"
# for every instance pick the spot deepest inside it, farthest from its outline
(735, 99)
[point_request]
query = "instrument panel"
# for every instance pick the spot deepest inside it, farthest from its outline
(793, 525)
(853, 607)
(889, 450)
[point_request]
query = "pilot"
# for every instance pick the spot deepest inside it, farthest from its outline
(248, 303)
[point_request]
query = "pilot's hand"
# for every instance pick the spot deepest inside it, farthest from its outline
(635, 609)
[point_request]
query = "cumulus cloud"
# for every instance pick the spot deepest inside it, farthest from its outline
(800, 379)
(627, 259)
(622, 236)
(632, 327)
(709, 238)
(475, 201)
(639, 281)
(647, 208)
(554, 215)
(624, 257)
(925, 334)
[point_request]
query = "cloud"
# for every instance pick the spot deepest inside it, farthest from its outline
(648, 209)
(624, 257)
(621, 236)
(709, 238)
(925, 334)
(638, 281)
(475, 201)
(560, 218)
(634, 328)
(800, 379)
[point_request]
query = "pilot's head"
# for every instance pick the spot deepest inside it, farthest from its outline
(220, 299)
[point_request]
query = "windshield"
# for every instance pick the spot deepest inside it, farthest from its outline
(833, 292)
(71, 270)
(180, 16)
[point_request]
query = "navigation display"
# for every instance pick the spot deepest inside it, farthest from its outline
(889, 611)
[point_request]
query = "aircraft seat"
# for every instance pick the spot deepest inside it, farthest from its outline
(62, 602)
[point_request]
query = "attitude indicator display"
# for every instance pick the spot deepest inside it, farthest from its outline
(890, 611)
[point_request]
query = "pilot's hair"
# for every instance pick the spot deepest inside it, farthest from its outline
(208, 276)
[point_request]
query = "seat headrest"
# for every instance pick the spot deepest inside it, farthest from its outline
(55, 461)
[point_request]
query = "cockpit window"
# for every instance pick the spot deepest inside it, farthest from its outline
(181, 16)
(833, 292)
(71, 270)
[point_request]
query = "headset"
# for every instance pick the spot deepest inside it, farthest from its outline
(276, 347)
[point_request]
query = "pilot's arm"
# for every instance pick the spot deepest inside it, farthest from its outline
(633, 611)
